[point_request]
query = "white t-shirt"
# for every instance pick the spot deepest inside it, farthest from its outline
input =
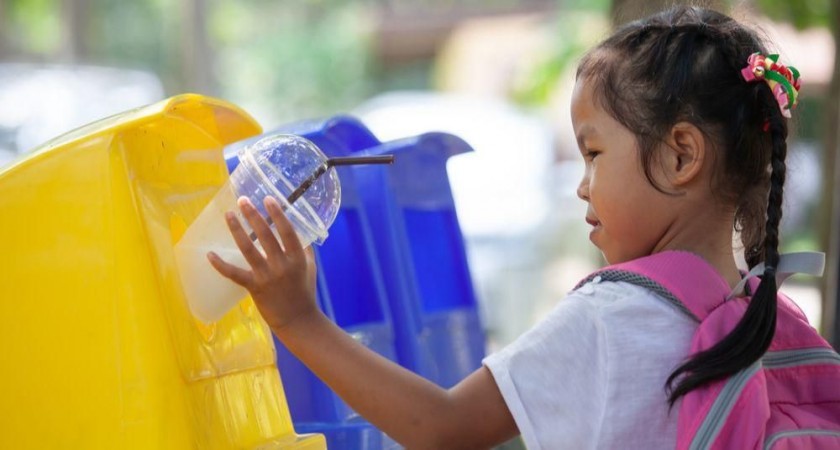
(591, 375)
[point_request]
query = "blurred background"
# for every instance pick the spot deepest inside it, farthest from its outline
(497, 73)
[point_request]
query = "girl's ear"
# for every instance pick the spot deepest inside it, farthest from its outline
(684, 154)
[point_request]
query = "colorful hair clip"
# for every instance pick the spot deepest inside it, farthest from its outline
(783, 80)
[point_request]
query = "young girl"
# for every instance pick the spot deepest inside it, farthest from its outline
(682, 147)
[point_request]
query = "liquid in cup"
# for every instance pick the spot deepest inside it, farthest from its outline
(275, 165)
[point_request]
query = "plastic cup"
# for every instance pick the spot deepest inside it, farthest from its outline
(276, 166)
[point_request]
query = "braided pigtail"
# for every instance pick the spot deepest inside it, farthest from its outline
(752, 336)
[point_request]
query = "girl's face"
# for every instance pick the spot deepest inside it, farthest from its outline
(628, 215)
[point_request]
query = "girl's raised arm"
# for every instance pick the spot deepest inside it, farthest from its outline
(413, 411)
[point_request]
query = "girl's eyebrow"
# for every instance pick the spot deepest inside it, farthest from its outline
(585, 130)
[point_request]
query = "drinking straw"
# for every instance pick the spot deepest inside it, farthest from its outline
(322, 169)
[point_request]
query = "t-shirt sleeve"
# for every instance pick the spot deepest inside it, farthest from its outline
(554, 377)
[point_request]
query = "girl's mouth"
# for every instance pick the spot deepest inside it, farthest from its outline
(596, 227)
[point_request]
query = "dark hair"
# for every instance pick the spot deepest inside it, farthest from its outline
(684, 64)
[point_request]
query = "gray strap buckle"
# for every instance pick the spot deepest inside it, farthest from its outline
(809, 263)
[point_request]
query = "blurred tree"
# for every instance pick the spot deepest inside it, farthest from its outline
(286, 61)
(75, 15)
(805, 14)
(623, 11)
(139, 34)
(34, 28)
(801, 13)
(196, 56)
(830, 206)
(4, 25)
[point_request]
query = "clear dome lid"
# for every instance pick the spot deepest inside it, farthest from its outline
(306, 185)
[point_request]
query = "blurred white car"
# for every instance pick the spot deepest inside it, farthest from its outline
(40, 102)
(500, 189)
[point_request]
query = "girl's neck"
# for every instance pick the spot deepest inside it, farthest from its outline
(708, 237)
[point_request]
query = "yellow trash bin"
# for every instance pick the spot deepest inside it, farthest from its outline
(99, 350)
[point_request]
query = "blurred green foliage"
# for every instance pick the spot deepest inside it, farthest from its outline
(801, 13)
(566, 47)
(569, 42)
(34, 24)
(286, 60)
(587, 5)
(299, 58)
(293, 61)
(137, 34)
(536, 89)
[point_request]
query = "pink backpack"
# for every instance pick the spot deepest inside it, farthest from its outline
(789, 399)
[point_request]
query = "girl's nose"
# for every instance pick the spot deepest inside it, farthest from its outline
(583, 189)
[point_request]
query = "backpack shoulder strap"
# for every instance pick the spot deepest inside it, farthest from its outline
(691, 284)
(682, 278)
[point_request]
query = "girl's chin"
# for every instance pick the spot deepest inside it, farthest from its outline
(594, 240)
(593, 235)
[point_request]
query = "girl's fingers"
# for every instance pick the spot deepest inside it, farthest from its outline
(260, 227)
(239, 276)
(309, 253)
(291, 242)
(248, 249)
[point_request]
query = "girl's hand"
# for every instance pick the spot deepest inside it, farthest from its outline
(281, 282)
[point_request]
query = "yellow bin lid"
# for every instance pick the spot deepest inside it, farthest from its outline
(99, 349)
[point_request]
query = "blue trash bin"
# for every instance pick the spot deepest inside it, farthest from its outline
(393, 272)
(423, 257)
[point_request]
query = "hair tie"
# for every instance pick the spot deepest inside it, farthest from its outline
(769, 271)
(783, 80)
